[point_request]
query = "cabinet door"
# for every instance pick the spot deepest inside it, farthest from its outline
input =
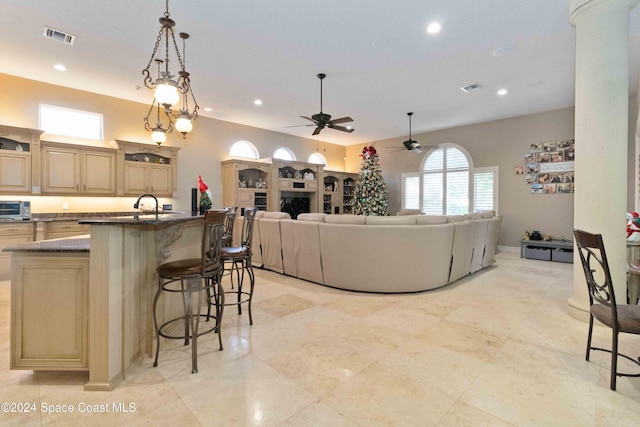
(135, 179)
(161, 180)
(60, 170)
(50, 313)
(58, 229)
(99, 174)
(15, 172)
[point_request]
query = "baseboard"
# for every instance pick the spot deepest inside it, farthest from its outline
(508, 248)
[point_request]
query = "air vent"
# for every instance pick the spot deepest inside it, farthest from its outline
(58, 35)
(471, 87)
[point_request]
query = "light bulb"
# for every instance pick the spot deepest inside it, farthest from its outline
(167, 93)
(183, 125)
(158, 136)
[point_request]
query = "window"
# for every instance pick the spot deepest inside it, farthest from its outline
(67, 122)
(449, 185)
(244, 149)
(318, 159)
(284, 153)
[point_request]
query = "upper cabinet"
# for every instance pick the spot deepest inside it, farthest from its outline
(245, 184)
(78, 170)
(147, 169)
(17, 146)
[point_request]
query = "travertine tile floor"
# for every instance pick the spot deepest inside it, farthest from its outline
(494, 349)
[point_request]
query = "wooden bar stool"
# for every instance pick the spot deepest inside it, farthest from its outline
(189, 276)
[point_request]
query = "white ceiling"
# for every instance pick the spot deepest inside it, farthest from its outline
(241, 50)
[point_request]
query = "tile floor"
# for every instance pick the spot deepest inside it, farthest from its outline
(494, 349)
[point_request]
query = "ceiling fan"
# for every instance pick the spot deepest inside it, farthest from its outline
(322, 120)
(410, 144)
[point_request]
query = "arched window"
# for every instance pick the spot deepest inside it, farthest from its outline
(244, 149)
(284, 153)
(448, 185)
(318, 159)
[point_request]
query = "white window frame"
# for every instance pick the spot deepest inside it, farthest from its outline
(239, 152)
(472, 172)
(63, 121)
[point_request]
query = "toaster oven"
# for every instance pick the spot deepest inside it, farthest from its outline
(15, 210)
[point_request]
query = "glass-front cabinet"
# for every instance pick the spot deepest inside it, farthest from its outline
(339, 188)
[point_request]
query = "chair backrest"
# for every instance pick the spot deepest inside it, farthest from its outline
(212, 234)
(229, 221)
(247, 227)
(596, 269)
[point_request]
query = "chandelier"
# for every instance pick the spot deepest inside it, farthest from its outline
(168, 90)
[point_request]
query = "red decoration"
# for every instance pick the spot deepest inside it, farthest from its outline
(369, 151)
(203, 186)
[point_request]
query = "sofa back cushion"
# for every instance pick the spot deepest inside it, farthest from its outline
(276, 215)
(454, 218)
(409, 212)
(391, 220)
(313, 217)
(431, 219)
(345, 219)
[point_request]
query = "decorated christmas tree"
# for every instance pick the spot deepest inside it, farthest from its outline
(371, 196)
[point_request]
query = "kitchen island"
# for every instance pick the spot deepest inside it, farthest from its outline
(85, 303)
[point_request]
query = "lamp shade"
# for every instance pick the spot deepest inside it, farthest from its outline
(184, 125)
(167, 93)
(158, 136)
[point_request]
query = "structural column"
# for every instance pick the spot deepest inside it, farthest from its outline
(601, 135)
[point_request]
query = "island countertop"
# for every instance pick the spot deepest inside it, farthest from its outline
(65, 244)
(142, 219)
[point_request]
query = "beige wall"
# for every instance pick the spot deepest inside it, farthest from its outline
(200, 153)
(502, 143)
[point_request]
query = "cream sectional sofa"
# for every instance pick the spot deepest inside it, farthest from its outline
(390, 254)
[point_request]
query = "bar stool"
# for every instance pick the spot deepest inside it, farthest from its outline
(229, 221)
(194, 276)
(236, 258)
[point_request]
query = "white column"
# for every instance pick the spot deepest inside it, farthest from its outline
(601, 132)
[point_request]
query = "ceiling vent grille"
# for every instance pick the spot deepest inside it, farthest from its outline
(471, 87)
(58, 35)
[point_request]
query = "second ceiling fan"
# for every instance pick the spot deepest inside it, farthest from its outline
(322, 120)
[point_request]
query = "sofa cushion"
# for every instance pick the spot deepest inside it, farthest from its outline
(260, 214)
(390, 220)
(345, 219)
(431, 219)
(471, 216)
(313, 217)
(409, 212)
(488, 214)
(276, 215)
(454, 218)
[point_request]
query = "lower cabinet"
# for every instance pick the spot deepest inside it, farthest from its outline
(59, 229)
(49, 312)
(12, 233)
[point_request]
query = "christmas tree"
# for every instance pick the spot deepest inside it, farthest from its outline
(371, 196)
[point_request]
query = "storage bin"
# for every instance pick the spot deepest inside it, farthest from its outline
(534, 252)
(562, 255)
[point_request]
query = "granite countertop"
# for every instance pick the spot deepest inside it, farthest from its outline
(143, 219)
(66, 244)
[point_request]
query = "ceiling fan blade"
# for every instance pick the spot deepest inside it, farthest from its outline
(316, 131)
(298, 126)
(341, 120)
(308, 118)
(341, 128)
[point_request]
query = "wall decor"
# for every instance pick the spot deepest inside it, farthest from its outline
(549, 167)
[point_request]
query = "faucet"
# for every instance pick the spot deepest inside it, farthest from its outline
(137, 203)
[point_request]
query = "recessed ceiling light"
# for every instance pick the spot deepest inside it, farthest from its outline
(382, 42)
(208, 109)
(434, 28)
(60, 67)
(258, 102)
(504, 51)
(502, 92)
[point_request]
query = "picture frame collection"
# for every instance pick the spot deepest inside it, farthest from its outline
(549, 167)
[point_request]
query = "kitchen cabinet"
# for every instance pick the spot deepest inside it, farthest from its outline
(59, 229)
(78, 170)
(11, 233)
(50, 312)
(19, 160)
(146, 168)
